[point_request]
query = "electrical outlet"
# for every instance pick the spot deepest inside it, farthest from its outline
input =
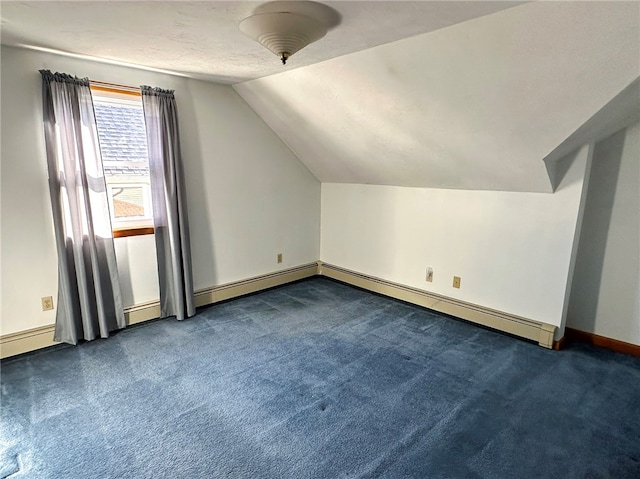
(279, 258)
(429, 277)
(47, 303)
(456, 281)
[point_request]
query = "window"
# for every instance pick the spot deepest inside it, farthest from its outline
(129, 202)
(123, 145)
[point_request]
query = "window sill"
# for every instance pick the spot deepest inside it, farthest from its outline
(135, 231)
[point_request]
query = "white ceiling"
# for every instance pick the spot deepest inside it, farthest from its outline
(471, 95)
(478, 105)
(202, 39)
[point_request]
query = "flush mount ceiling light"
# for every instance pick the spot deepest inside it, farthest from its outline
(284, 33)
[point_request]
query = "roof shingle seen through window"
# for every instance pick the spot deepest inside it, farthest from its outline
(124, 209)
(122, 135)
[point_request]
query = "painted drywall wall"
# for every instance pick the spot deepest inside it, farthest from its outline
(138, 269)
(249, 197)
(490, 97)
(605, 295)
(512, 250)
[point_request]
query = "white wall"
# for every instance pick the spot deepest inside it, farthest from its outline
(512, 250)
(605, 297)
(138, 269)
(249, 197)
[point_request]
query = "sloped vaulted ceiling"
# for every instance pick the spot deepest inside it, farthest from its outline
(477, 105)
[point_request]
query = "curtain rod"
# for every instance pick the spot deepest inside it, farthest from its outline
(115, 87)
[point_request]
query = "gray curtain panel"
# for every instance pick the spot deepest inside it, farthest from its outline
(168, 196)
(89, 298)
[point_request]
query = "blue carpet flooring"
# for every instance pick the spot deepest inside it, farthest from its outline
(317, 379)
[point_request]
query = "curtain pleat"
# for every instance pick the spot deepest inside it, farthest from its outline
(168, 196)
(89, 297)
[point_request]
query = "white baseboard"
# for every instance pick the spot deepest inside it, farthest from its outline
(25, 341)
(542, 333)
(38, 338)
(240, 288)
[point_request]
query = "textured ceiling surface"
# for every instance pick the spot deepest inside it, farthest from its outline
(478, 105)
(202, 39)
(471, 95)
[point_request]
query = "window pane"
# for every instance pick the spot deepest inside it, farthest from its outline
(122, 134)
(123, 146)
(128, 202)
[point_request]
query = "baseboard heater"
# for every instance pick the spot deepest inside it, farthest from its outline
(38, 338)
(542, 333)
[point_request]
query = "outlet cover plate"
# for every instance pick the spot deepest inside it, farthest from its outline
(47, 303)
